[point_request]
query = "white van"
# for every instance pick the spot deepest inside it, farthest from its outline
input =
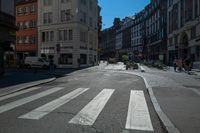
(36, 62)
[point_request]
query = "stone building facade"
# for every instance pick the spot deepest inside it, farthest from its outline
(68, 31)
(155, 39)
(183, 27)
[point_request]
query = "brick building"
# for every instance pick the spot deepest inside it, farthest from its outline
(26, 36)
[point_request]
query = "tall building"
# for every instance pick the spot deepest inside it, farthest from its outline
(137, 34)
(155, 38)
(124, 38)
(68, 31)
(108, 43)
(183, 27)
(99, 30)
(7, 29)
(26, 36)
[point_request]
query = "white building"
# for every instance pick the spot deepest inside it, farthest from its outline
(67, 30)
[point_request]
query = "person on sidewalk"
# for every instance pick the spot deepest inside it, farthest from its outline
(187, 65)
(175, 64)
(180, 65)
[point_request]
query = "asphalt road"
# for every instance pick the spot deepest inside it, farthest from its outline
(82, 102)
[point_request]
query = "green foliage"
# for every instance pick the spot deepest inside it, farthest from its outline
(125, 58)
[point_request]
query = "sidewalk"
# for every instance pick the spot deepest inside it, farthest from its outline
(19, 79)
(178, 95)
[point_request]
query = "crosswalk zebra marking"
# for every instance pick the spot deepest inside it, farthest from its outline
(18, 93)
(40, 112)
(89, 114)
(23, 101)
(138, 117)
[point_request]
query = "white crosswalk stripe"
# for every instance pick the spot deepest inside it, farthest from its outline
(91, 111)
(23, 101)
(18, 93)
(138, 117)
(49, 107)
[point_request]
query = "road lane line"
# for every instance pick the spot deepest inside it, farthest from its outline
(89, 114)
(40, 112)
(18, 93)
(138, 117)
(23, 101)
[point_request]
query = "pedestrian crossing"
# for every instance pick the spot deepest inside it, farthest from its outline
(90, 112)
(138, 117)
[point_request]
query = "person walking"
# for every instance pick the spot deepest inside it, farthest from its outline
(180, 65)
(187, 65)
(175, 64)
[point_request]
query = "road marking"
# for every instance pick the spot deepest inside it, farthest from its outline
(49, 107)
(19, 93)
(90, 112)
(23, 101)
(138, 117)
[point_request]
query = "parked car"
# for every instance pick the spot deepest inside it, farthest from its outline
(36, 62)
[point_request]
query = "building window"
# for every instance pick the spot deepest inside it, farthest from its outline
(70, 35)
(19, 39)
(25, 10)
(32, 24)
(65, 1)
(26, 39)
(32, 9)
(83, 17)
(66, 59)
(193, 32)
(26, 24)
(48, 18)
(47, 36)
(62, 35)
(19, 11)
(82, 36)
(47, 2)
(32, 39)
(65, 15)
(51, 36)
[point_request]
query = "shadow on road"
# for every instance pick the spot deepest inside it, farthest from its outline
(18, 76)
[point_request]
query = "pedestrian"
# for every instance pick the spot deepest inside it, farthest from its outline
(175, 64)
(187, 65)
(180, 65)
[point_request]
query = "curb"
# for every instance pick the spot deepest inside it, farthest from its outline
(33, 84)
(168, 125)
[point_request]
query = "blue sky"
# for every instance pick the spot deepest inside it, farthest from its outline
(119, 8)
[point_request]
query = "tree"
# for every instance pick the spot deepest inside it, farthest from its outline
(125, 58)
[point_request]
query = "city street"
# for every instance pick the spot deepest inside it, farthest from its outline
(94, 100)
